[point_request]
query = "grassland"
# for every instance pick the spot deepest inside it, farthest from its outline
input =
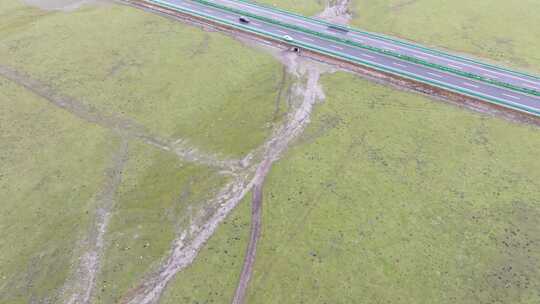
(51, 167)
(114, 64)
(386, 198)
(176, 80)
(214, 275)
(157, 198)
(502, 31)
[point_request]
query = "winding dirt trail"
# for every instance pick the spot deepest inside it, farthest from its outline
(339, 13)
(189, 242)
(247, 174)
(256, 218)
(78, 288)
(336, 12)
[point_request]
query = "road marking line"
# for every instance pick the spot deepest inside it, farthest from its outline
(255, 23)
(519, 106)
(391, 49)
(511, 96)
(436, 75)
(422, 57)
(308, 39)
(477, 67)
(491, 76)
(336, 47)
(470, 85)
(455, 66)
(399, 64)
(528, 86)
(356, 35)
(282, 32)
(450, 60)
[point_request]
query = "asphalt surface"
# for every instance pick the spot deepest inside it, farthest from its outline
(477, 69)
(479, 89)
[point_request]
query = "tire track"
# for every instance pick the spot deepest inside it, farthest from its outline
(256, 218)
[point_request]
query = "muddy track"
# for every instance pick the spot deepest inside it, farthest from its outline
(122, 126)
(282, 89)
(255, 233)
(311, 92)
(185, 247)
(336, 11)
(302, 96)
(80, 285)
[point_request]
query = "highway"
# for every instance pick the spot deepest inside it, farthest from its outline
(476, 88)
(364, 38)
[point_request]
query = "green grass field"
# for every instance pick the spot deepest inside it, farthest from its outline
(121, 63)
(51, 167)
(386, 198)
(176, 80)
(391, 197)
(214, 275)
(157, 198)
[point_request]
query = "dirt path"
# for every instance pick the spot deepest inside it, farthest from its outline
(79, 286)
(249, 173)
(124, 127)
(337, 13)
(309, 92)
(249, 259)
(305, 93)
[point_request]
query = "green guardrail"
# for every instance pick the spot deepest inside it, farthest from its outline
(339, 55)
(390, 39)
(370, 48)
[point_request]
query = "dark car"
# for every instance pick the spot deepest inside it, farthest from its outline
(339, 28)
(244, 19)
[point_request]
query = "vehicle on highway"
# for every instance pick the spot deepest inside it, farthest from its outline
(339, 28)
(288, 38)
(244, 19)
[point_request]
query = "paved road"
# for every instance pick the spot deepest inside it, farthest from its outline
(364, 38)
(453, 82)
